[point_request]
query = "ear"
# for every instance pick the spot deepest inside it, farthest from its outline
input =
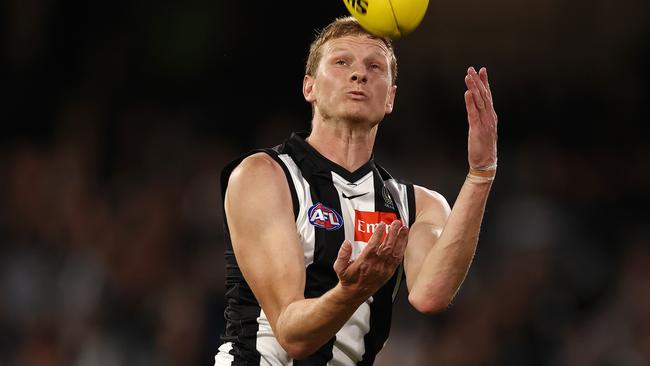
(308, 88)
(390, 100)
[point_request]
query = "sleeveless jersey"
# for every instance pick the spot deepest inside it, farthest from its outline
(330, 205)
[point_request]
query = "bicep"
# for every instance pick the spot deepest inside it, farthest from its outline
(259, 212)
(432, 211)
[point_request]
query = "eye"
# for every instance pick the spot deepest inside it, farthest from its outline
(340, 62)
(376, 66)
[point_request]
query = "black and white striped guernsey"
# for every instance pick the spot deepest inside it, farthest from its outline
(330, 205)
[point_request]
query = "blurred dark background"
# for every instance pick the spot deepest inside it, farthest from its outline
(118, 117)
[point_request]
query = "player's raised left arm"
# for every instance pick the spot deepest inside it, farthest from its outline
(441, 242)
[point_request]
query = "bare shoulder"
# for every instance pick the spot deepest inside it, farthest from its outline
(259, 166)
(258, 180)
(430, 206)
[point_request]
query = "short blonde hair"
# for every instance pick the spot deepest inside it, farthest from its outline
(341, 27)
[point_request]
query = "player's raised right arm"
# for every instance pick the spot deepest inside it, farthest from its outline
(260, 217)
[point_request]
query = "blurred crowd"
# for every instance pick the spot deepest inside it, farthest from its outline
(110, 268)
(111, 242)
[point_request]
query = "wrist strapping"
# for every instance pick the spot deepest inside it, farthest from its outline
(482, 174)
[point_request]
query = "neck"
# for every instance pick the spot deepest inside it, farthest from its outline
(349, 146)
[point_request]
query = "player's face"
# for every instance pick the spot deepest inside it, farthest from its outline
(353, 80)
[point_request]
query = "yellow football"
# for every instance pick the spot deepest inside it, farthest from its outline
(388, 18)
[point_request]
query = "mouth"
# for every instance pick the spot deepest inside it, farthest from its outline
(357, 95)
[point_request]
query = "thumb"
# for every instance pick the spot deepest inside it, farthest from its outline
(343, 259)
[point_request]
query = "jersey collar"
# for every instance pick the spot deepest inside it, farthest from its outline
(304, 152)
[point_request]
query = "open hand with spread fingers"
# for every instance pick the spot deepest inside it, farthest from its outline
(376, 263)
(482, 119)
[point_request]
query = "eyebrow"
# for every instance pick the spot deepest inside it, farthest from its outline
(344, 50)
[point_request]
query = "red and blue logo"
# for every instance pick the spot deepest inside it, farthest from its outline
(324, 217)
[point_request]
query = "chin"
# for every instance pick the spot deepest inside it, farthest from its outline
(363, 117)
(358, 119)
(369, 121)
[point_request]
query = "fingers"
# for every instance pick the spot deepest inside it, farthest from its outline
(383, 239)
(393, 245)
(343, 260)
(395, 242)
(473, 83)
(376, 238)
(484, 78)
(389, 242)
(479, 87)
(480, 98)
(398, 243)
(472, 111)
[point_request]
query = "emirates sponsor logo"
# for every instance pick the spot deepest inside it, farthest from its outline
(366, 222)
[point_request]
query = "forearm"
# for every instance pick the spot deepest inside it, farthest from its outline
(447, 262)
(306, 325)
(439, 276)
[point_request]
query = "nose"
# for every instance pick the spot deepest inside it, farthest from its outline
(359, 77)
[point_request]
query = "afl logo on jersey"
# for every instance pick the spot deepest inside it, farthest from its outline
(324, 217)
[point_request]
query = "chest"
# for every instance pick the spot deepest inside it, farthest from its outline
(339, 209)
